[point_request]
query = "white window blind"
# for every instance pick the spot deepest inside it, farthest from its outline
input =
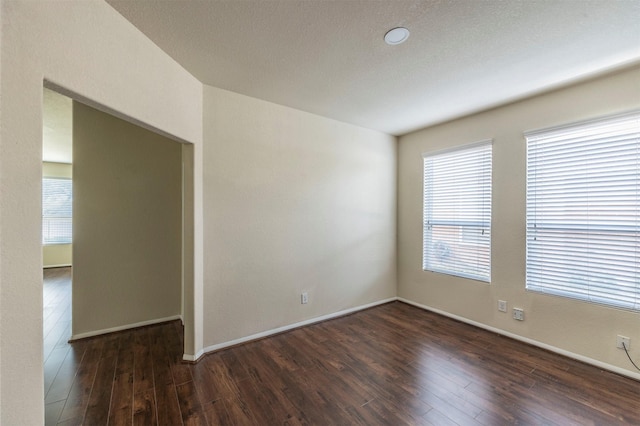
(583, 211)
(457, 211)
(56, 210)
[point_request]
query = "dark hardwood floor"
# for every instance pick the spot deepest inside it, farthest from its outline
(390, 365)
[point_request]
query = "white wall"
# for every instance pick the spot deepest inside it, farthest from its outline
(582, 329)
(293, 202)
(91, 51)
(54, 255)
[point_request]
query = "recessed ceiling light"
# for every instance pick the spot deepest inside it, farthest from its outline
(396, 36)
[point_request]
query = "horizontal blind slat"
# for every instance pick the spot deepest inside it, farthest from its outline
(457, 212)
(583, 211)
(57, 197)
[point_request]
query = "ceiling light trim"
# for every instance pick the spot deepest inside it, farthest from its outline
(396, 36)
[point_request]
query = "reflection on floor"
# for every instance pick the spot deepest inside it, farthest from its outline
(56, 299)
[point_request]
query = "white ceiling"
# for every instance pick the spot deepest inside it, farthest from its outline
(329, 57)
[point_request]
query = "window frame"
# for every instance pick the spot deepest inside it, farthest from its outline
(68, 236)
(465, 227)
(593, 235)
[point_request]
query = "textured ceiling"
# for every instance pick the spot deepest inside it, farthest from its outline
(329, 57)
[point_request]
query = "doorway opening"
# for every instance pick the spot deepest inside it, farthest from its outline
(127, 265)
(57, 247)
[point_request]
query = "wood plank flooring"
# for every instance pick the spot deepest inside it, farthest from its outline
(390, 365)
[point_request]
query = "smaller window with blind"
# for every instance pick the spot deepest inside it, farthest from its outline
(57, 197)
(583, 211)
(457, 211)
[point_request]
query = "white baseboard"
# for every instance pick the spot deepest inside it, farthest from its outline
(557, 350)
(193, 358)
(124, 327)
(217, 347)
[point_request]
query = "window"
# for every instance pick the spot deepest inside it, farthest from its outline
(583, 211)
(457, 212)
(56, 210)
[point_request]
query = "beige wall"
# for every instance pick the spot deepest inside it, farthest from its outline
(293, 202)
(56, 254)
(127, 204)
(337, 244)
(59, 170)
(578, 328)
(91, 51)
(1, 221)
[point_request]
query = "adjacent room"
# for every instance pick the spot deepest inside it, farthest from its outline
(311, 212)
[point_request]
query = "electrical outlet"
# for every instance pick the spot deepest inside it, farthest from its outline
(518, 314)
(502, 305)
(304, 298)
(623, 339)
